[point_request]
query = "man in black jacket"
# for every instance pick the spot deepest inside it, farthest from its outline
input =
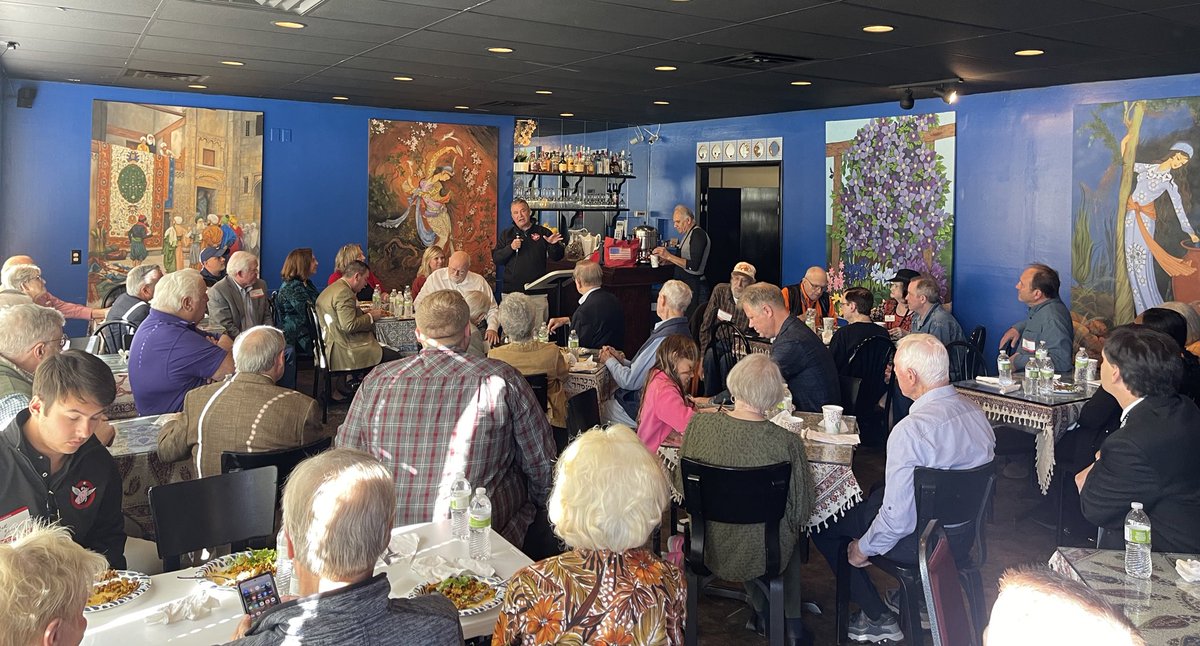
(599, 319)
(523, 249)
(51, 464)
(1151, 458)
(804, 361)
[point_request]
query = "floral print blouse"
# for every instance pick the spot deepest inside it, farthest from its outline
(630, 598)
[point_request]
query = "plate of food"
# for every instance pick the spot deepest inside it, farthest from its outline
(1063, 388)
(226, 571)
(470, 593)
(116, 587)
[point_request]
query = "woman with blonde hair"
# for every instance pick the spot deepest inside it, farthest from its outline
(295, 296)
(346, 255)
(666, 407)
(609, 495)
(433, 259)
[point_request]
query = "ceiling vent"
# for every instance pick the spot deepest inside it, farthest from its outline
(165, 76)
(757, 60)
(297, 7)
(509, 104)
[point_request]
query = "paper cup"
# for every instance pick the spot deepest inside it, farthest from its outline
(1093, 369)
(827, 322)
(654, 261)
(833, 418)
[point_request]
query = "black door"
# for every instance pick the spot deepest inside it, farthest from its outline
(744, 224)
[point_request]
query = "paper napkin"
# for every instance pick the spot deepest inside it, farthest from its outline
(197, 605)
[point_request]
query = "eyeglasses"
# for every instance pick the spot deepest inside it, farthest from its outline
(819, 288)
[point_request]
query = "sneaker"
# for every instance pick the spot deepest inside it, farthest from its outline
(862, 629)
(891, 599)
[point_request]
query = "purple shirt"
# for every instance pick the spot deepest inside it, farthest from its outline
(168, 358)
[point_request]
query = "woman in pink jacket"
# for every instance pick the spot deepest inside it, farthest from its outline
(666, 406)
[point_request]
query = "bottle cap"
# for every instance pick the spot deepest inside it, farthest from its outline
(484, 490)
(1135, 505)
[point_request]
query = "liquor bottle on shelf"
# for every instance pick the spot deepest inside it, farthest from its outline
(562, 165)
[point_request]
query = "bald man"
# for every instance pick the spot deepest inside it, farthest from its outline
(811, 293)
(69, 310)
(457, 276)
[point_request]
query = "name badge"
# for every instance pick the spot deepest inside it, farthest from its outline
(724, 316)
(1027, 345)
(889, 318)
(11, 521)
(257, 293)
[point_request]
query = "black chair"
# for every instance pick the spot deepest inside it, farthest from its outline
(111, 336)
(966, 361)
(231, 508)
(868, 363)
(729, 345)
(276, 316)
(949, 619)
(740, 496)
(540, 388)
(321, 370)
(851, 386)
(978, 338)
(695, 320)
(958, 498)
(583, 412)
(284, 461)
(111, 296)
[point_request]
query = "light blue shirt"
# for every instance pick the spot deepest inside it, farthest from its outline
(943, 430)
(632, 375)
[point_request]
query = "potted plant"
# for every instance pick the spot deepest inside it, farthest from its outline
(521, 162)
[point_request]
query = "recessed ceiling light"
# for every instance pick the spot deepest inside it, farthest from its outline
(233, 63)
(878, 29)
(801, 82)
(1029, 52)
(566, 114)
(665, 68)
(197, 86)
(73, 80)
(340, 98)
(500, 50)
(662, 103)
(288, 24)
(543, 92)
(402, 78)
(462, 107)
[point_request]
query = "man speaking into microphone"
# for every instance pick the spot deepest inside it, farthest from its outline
(523, 249)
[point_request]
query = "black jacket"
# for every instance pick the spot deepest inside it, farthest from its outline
(806, 365)
(529, 264)
(600, 321)
(1152, 460)
(85, 494)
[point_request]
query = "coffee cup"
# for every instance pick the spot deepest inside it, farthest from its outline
(827, 323)
(654, 261)
(1093, 369)
(833, 418)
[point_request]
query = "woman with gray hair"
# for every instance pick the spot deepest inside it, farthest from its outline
(609, 495)
(530, 356)
(744, 437)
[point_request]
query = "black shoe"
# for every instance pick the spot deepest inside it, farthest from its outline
(795, 632)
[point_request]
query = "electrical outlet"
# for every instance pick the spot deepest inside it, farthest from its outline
(76, 256)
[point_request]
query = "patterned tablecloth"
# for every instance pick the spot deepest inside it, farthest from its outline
(1165, 608)
(600, 379)
(834, 483)
(136, 452)
(1047, 415)
(398, 333)
(123, 406)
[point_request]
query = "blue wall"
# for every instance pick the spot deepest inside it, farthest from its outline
(314, 188)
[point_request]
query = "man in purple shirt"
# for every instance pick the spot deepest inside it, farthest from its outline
(169, 356)
(943, 430)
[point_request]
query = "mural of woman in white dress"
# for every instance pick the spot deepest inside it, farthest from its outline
(1141, 251)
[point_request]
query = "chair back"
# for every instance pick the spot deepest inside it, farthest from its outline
(978, 337)
(227, 508)
(851, 386)
(111, 296)
(737, 496)
(966, 361)
(284, 460)
(731, 339)
(276, 315)
(540, 386)
(957, 498)
(111, 336)
(696, 320)
(583, 412)
(949, 618)
(868, 363)
(320, 357)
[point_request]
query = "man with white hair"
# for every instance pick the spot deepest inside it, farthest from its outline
(170, 355)
(28, 334)
(692, 261)
(457, 276)
(599, 320)
(46, 299)
(43, 557)
(805, 362)
(811, 293)
(245, 412)
(12, 283)
(239, 300)
(133, 305)
(630, 376)
(338, 509)
(443, 411)
(943, 430)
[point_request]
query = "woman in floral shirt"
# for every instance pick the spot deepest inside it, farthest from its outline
(609, 495)
(294, 297)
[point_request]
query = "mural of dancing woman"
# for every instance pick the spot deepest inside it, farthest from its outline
(427, 201)
(1142, 209)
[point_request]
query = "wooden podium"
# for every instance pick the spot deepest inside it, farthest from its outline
(632, 287)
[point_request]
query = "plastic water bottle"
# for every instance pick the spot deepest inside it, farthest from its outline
(1005, 367)
(1137, 542)
(408, 302)
(1033, 374)
(1047, 381)
(376, 299)
(573, 342)
(542, 334)
(480, 544)
(283, 565)
(1042, 352)
(1081, 368)
(810, 319)
(460, 501)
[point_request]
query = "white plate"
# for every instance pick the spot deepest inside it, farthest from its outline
(494, 581)
(216, 565)
(143, 582)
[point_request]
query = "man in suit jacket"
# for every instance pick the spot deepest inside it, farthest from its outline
(599, 319)
(245, 412)
(349, 332)
(804, 361)
(239, 300)
(1151, 459)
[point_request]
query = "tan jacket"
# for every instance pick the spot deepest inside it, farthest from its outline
(533, 358)
(248, 413)
(349, 332)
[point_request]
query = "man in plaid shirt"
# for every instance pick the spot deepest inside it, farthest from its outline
(430, 416)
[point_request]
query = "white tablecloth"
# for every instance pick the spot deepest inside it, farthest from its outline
(124, 625)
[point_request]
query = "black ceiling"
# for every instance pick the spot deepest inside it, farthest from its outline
(598, 56)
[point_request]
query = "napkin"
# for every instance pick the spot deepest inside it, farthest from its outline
(1188, 569)
(403, 545)
(993, 381)
(585, 366)
(194, 606)
(830, 438)
(435, 568)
